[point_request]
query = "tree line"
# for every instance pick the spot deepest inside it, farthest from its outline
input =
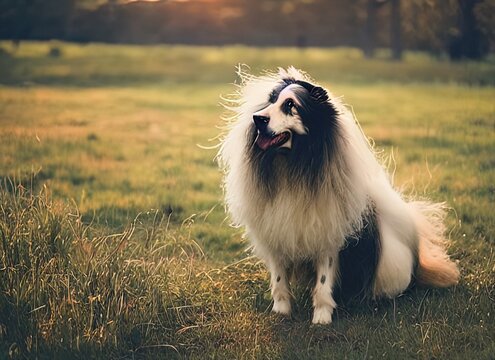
(460, 28)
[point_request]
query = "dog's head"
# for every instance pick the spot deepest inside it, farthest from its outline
(296, 112)
(294, 129)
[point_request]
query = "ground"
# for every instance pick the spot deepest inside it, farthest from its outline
(114, 240)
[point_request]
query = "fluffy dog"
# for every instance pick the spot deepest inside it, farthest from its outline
(303, 180)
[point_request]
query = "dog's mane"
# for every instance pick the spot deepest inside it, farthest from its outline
(327, 169)
(306, 162)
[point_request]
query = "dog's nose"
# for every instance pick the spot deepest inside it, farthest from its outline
(261, 121)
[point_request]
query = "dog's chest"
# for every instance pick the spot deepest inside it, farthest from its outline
(298, 225)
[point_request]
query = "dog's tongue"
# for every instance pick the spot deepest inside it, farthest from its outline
(264, 142)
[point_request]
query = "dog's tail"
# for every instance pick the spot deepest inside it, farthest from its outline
(435, 268)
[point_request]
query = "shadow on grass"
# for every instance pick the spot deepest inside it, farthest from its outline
(117, 218)
(100, 65)
(360, 328)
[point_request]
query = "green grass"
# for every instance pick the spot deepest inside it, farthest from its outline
(117, 245)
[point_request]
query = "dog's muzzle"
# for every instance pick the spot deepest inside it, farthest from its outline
(266, 138)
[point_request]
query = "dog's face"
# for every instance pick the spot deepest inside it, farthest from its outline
(293, 111)
(298, 121)
(277, 122)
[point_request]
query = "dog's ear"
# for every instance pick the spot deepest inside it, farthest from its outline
(319, 94)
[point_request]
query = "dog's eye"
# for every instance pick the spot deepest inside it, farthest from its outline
(289, 105)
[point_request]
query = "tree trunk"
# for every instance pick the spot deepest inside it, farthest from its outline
(470, 43)
(395, 30)
(369, 30)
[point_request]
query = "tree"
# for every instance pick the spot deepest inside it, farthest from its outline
(396, 30)
(485, 19)
(35, 19)
(370, 30)
(470, 42)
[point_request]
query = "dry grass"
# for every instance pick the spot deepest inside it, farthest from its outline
(66, 288)
(118, 245)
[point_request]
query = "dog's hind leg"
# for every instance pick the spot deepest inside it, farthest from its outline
(396, 263)
(323, 302)
(279, 283)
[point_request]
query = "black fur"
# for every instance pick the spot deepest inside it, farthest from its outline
(358, 261)
(305, 162)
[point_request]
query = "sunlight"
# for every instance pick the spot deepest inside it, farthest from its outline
(131, 1)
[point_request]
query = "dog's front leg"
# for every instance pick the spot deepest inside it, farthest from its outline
(280, 287)
(323, 303)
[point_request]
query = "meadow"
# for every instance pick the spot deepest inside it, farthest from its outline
(114, 242)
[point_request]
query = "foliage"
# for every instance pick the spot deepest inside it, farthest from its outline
(427, 25)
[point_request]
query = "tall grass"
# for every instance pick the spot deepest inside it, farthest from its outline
(65, 288)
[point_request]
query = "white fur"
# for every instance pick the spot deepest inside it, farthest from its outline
(323, 303)
(295, 226)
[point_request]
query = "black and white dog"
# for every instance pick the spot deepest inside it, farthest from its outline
(304, 181)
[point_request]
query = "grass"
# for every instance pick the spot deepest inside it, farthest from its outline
(113, 236)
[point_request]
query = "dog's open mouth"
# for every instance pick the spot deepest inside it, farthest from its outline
(265, 142)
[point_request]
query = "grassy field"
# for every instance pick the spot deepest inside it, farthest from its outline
(114, 242)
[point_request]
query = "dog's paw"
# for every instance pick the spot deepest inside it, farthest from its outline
(322, 315)
(281, 307)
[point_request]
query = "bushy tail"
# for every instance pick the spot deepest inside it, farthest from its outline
(434, 266)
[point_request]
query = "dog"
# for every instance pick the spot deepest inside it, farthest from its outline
(304, 181)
